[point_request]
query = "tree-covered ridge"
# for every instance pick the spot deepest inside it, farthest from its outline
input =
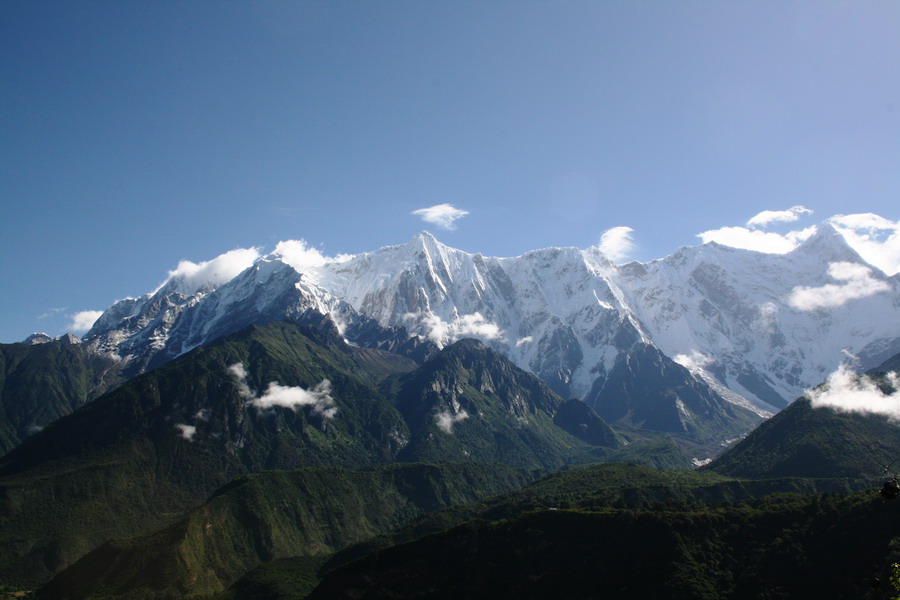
(39, 383)
(820, 546)
(139, 457)
(273, 515)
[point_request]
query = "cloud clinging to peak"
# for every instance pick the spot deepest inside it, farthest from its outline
(442, 215)
(192, 277)
(616, 243)
(300, 255)
(84, 320)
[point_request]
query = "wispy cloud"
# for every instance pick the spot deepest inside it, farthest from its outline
(857, 283)
(446, 420)
(84, 320)
(442, 215)
(846, 391)
(524, 340)
(616, 243)
(319, 399)
(442, 332)
(52, 312)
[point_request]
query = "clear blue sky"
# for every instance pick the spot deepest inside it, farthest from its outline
(136, 134)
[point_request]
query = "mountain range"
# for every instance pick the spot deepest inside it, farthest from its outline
(730, 336)
(224, 433)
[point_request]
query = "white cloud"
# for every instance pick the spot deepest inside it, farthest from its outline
(875, 238)
(84, 320)
(442, 215)
(302, 256)
(446, 420)
(524, 340)
(319, 398)
(775, 216)
(191, 277)
(616, 243)
(754, 239)
(441, 332)
(847, 392)
(240, 374)
(187, 431)
(858, 283)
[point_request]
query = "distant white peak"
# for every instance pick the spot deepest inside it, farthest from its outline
(828, 245)
(430, 244)
(37, 338)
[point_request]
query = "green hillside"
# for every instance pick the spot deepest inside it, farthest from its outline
(137, 458)
(802, 441)
(40, 383)
(264, 517)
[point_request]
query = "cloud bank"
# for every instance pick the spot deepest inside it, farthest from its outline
(616, 243)
(319, 398)
(84, 320)
(846, 391)
(442, 332)
(857, 283)
(442, 215)
(446, 420)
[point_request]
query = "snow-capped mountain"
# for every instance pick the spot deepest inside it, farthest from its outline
(751, 328)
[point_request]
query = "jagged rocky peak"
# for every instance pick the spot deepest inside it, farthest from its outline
(69, 339)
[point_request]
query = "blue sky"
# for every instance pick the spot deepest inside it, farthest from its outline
(135, 135)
